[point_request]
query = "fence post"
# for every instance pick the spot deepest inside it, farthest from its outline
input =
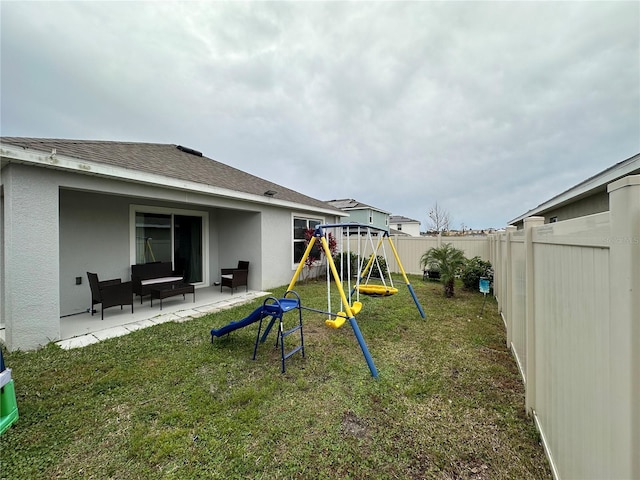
(624, 336)
(507, 302)
(497, 271)
(530, 314)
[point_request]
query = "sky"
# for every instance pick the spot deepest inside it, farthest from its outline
(486, 108)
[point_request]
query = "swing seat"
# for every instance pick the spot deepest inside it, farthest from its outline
(356, 307)
(337, 322)
(342, 316)
(377, 290)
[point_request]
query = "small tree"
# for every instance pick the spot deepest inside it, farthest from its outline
(448, 260)
(439, 219)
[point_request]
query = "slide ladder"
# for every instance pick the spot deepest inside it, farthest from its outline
(276, 308)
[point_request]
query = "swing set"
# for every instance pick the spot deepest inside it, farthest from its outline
(350, 305)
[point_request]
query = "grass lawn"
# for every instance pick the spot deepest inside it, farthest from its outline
(164, 402)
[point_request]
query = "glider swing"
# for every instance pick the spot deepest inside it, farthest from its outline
(373, 264)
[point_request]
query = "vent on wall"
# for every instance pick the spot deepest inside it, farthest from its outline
(189, 150)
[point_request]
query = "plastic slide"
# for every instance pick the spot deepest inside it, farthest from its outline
(257, 315)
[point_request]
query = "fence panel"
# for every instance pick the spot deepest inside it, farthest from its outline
(555, 284)
(572, 350)
(517, 301)
(411, 249)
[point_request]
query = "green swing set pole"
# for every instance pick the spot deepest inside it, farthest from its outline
(404, 275)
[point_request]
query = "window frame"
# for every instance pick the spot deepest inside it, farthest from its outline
(307, 218)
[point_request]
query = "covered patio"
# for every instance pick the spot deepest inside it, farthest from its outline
(84, 329)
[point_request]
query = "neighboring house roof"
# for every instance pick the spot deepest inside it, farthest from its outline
(167, 160)
(401, 219)
(590, 186)
(351, 204)
(393, 231)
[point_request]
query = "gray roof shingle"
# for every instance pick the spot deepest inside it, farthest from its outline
(167, 160)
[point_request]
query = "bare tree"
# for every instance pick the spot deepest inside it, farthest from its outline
(439, 219)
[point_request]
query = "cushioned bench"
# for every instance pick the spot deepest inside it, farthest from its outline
(156, 275)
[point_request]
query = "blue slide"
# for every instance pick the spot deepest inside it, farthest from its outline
(258, 314)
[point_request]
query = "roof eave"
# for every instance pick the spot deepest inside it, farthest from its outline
(32, 157)
(586, 187)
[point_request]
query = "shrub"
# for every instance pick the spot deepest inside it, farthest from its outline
(355, 267)
(383, 271)
(473, 269)
(338, 259)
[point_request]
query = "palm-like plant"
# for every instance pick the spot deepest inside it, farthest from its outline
(448, 260)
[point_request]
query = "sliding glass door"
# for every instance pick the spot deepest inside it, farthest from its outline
(187, 241)
(163, 235)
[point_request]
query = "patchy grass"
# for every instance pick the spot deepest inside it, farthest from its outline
(166, 403)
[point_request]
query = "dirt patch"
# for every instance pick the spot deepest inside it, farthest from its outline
(353, 426)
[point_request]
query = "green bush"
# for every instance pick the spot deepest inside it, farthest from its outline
(473, 269)
(337, 260)
(383, 271)
(355, 268)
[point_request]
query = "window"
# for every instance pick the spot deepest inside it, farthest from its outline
(171, 235)
(399, 227)
(553, 219)
(153, 238)
(300, 225)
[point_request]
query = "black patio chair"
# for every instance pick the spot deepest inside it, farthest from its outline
(109, 293)
(235, 277)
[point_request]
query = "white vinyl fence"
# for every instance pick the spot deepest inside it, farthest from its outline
(569, 295)
(411, 249)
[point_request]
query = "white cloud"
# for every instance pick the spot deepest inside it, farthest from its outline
(398, 105)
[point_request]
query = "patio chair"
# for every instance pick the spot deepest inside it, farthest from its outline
(109, 293)
(235, 277)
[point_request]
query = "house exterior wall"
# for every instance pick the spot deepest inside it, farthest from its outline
(380, 220)
(239, 235)
(364, 215)
(94, 237)
(30, 239)
(57, 225)
(410, 228)
(359, 216)
(590, 205)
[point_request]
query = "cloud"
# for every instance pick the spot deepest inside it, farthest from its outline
(488, 108)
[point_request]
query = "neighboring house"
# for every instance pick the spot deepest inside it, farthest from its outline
(72, 206)
(404, 225)
(362, 213)
(586, 198)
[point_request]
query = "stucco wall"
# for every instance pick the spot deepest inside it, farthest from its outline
(30, 278)
(239, 235)
(94, 237)
(58, 225)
